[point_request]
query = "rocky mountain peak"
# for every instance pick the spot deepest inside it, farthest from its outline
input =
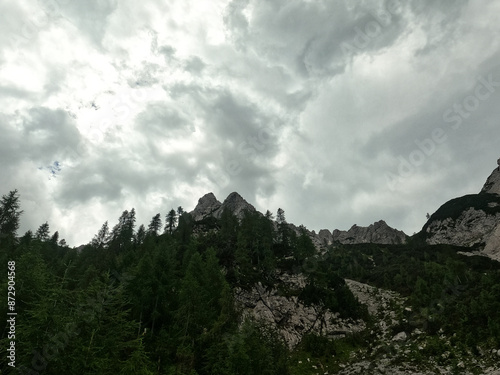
(234, 198)
(207, 205)
(492, 185)
(235, 204)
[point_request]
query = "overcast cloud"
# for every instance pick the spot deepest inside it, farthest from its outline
(340, 112)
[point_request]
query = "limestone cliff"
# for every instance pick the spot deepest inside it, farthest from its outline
(378, 232)
(492, 184)
(471, 221)
(209, 206)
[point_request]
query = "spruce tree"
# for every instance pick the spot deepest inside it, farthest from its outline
(101, 238)
(9, 214)
(155, 225)
(42, 232)
(170, 221)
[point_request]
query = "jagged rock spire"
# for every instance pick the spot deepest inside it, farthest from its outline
(208, 205)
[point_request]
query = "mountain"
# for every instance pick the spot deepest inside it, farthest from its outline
(209, 206)
(218, 295)
(379, 232)
(492, 184)
(471, 221)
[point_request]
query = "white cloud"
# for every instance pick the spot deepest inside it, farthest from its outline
(151, 105)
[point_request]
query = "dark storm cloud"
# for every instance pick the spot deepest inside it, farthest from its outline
(41, 135)
(242, 138)
(468, 114)
(305, 105)
(108, 175)
(162, 119)
(313, 38)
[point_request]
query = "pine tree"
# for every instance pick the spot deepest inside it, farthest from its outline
(141, 235)
(280, 216)
(122, 234)
(304, 247)
(138, 362)
(101, 238)
(127, 232)
(42, 232)
(283, 237)
(9, 214)
(171, 221)
(269, 215)
(155, 225)
(55, 238)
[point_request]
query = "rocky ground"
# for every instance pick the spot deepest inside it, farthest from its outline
(282, 309)
(401, 353)
(392, 352)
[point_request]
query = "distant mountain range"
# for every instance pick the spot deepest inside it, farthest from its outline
(470, 221)
(393, 275)
(379, 232)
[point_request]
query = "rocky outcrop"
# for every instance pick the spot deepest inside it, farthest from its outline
(209, 206)
(378, 232)
(289, 315)
(492, 185)
(236, 204)
(325, 237)
(293, 319)
(471, 228)
(470, 221)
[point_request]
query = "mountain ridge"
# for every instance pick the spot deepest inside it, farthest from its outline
(378, 232)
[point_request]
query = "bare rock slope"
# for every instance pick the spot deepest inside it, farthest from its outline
(471, 221)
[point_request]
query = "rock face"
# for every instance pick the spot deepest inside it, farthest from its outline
(474, 227)
(470, 221)
(471, 228)
(206, 206)
(235, 204)
(289, 315)
(325, 237)
(293, 319)
(492, 184)
(209, 206)
(378, 232)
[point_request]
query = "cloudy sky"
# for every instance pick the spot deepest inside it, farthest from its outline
(340, 112)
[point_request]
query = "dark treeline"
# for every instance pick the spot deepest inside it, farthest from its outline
(152, 300)
(158, 299)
